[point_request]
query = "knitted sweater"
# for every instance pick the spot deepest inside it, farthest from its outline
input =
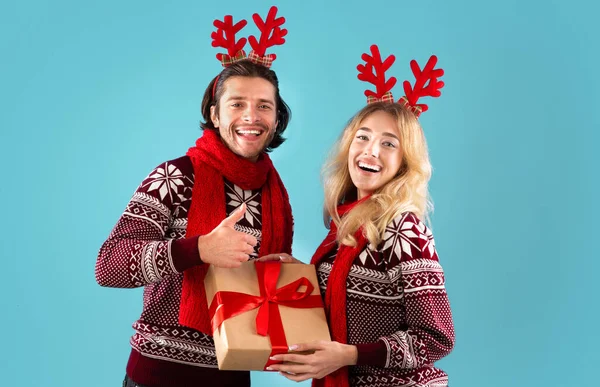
(148, 248)
(397, 308)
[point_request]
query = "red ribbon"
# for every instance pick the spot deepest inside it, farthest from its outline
(226, 304)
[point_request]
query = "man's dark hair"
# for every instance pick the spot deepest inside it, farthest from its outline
(246, 68)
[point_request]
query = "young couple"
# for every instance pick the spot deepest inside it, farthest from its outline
(223, 203)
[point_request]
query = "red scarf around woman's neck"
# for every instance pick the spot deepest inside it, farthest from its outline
(212, 162)
(335, 295)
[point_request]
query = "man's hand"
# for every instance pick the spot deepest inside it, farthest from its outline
(224, 246)
(328, 357)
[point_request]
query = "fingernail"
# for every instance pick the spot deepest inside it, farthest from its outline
(293, 347)
(269, 369)
(272, 358)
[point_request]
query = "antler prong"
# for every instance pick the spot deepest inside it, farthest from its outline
(426, 83)
(224, 36)
(373, 71)
(271, 33)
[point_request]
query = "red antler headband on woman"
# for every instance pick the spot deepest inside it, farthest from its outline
(271, 34)
(426, 84)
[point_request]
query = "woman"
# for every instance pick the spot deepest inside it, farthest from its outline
(383, 286)
(378, 269)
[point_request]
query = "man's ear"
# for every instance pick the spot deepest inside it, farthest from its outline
(213, 116)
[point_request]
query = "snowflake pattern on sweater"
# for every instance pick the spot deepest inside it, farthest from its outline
(148, 248)
(398, 310)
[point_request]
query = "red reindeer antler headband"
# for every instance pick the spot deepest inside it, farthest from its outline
(271, 34)
(426, 83)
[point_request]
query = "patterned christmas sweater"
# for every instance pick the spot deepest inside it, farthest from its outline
(148, 248)
(397, 308)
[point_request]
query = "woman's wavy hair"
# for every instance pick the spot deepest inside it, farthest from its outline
(407, 191)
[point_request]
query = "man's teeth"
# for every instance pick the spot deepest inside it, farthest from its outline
(374, 168)
(256, 132)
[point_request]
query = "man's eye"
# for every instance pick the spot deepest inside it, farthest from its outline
(236, 104)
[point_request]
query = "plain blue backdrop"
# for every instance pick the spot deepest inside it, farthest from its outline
(93, 95)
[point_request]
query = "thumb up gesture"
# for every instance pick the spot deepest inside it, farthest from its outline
(224, 246)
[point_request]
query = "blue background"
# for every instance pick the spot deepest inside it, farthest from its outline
(93, 95)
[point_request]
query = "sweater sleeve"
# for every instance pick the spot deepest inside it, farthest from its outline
(428, 334)
(138, 251)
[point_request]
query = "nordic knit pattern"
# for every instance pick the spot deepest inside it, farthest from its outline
(398, 311)
(148, 248)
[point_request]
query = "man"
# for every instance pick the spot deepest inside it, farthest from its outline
(221, 204)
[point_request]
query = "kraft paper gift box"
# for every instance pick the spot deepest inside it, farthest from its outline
(244, 342)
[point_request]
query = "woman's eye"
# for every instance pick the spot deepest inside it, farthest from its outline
(362, 137)
(389, 144)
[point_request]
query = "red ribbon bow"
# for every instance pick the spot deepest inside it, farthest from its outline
(226, 304)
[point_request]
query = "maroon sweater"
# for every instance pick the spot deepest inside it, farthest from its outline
(397, 308)
(148, 248)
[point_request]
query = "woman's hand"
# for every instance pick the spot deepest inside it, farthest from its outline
(328, 357)
(281, 257)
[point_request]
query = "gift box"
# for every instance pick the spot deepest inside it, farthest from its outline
(260, 308)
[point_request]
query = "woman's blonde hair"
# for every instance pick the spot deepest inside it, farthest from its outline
(407, 191)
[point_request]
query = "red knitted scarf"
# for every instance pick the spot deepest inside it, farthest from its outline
(335, 295)
(212, 162)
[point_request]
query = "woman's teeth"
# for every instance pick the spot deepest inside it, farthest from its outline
(369, 167)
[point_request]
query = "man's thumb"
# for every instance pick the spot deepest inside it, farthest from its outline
(235, 216)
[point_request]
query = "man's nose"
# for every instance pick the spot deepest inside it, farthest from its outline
(251, 114)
